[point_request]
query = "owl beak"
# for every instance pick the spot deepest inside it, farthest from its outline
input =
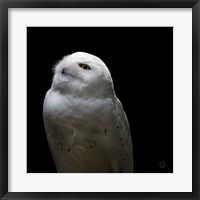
(63, 71)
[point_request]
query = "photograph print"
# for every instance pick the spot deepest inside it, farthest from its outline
(99, 99)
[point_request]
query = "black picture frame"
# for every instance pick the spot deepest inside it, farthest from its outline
(6, 4)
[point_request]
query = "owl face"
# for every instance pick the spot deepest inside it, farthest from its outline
(82, 71)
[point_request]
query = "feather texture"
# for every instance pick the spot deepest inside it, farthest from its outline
(86, 126)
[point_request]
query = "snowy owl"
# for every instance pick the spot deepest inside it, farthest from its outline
(86, 126)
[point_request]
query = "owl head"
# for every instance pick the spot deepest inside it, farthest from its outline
(82, 74)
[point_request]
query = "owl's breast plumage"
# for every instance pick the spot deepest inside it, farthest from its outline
(83, 131)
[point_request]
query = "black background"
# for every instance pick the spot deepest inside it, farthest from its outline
(141, 64)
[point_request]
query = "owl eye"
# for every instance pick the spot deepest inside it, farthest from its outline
(84, 66)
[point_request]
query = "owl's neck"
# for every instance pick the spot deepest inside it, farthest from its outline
(84, 92)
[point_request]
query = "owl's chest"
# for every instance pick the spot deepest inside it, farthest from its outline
(79, 111)
(81, 130)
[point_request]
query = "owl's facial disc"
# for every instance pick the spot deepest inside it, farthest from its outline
(82, 72)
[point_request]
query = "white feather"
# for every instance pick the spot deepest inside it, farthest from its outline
(86, 126)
